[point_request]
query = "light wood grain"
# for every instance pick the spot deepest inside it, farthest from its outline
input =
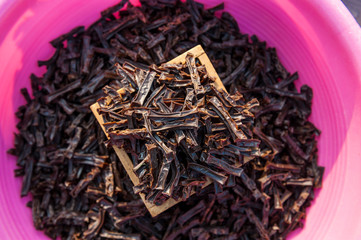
(153, 209)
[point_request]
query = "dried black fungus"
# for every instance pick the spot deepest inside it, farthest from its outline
(67, 170)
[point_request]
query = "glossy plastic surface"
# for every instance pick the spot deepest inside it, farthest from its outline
(319, 38)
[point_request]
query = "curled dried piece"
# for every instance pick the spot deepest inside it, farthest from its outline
(97, 218)
(117, 235)
(83, 183)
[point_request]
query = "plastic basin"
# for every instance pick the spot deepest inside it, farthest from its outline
(318, 38)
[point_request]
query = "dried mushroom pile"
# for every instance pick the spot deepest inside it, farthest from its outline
(182, 132)
(79, 188)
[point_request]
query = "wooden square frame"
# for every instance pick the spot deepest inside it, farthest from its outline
(153, 209)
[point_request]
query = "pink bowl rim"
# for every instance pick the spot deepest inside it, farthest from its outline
(334, 11)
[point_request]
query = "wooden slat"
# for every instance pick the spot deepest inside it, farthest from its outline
(153, 209)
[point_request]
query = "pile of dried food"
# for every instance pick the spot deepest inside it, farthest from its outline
(79, 188)
(187, 129)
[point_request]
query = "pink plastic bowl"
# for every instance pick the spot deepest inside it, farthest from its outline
(319, 38)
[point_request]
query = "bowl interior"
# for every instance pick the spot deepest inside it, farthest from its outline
(308, 39)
